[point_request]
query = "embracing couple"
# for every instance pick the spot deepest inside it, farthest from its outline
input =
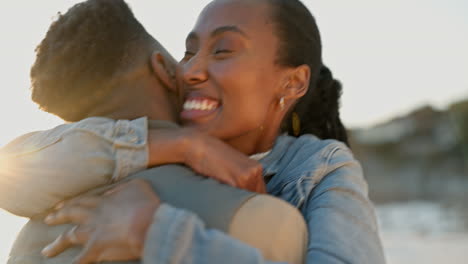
(236, 154)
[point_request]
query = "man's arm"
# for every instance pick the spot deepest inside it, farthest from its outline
(43, 168)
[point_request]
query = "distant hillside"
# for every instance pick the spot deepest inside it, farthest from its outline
(423, 155)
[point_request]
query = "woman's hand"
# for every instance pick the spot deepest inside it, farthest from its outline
(207, 156)
(111, 227)
(213, 158)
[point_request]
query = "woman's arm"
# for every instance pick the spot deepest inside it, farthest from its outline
(207, 156)
(341, 222)
(179, 236)
(340, 217)
(108, 234)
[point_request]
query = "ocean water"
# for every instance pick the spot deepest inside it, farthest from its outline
(414, 232)
(424, 232)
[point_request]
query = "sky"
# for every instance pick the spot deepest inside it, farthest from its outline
(391, 56)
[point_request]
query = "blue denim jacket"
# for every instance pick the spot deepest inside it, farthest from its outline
(320, 177)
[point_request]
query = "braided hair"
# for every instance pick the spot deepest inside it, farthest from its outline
(300, 44)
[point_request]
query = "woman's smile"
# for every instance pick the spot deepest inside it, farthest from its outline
(198, 107)
(229, 77)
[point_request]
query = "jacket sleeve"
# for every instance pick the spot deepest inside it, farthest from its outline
(340, 217)
(42, 168)
(179, 236)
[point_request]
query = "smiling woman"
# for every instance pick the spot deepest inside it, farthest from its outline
(252, 81)
(285, 74)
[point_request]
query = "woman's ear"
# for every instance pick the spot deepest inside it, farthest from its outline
(163, 70)
(297, 83)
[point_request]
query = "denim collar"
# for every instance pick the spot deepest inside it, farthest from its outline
(271, 163)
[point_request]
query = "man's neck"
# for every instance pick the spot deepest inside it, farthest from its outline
(134, 101)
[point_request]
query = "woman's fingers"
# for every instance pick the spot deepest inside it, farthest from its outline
(225, 178)
(90, 254)
(73, 214)
(87, 200)
(74, 236)
(98, 249)
(76, 210)
(115, 189)
(104, 228)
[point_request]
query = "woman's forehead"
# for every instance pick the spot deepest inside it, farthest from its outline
(243, 14)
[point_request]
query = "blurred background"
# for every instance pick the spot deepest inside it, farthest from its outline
(404, 69)
(417, 169)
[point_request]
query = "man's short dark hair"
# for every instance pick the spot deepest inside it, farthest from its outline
(83, 52)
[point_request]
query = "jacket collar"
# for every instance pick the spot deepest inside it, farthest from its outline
(271, 162)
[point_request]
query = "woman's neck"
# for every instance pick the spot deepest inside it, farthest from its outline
(255, 142)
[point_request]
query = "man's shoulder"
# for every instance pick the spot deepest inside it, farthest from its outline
(133, 131)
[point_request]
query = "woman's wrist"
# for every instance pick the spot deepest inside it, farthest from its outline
(193, 144)
(167, 146)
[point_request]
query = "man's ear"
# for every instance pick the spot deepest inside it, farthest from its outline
(163, 70)
(297, 83)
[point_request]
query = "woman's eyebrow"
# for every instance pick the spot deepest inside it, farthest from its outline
(218, 31)
(223, 29)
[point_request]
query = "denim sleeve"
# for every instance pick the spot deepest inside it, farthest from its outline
(42, 168)
(340, 217)
(179, 236)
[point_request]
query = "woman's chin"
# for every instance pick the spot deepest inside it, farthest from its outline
(198, 116)
(202, 124)
(202, 119)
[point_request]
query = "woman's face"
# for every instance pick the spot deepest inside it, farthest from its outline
(230, 80)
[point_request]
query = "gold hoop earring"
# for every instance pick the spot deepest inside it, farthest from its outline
(296, 124)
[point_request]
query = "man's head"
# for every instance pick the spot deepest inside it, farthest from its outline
(89, 54)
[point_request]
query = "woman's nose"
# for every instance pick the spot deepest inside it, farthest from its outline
(194, 71)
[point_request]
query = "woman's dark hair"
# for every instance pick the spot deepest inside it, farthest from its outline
(300, 44)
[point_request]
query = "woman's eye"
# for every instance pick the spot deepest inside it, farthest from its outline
(221, 51)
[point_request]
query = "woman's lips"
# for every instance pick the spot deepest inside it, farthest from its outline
(199, 107)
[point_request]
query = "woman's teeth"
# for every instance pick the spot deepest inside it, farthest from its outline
(199, 105)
